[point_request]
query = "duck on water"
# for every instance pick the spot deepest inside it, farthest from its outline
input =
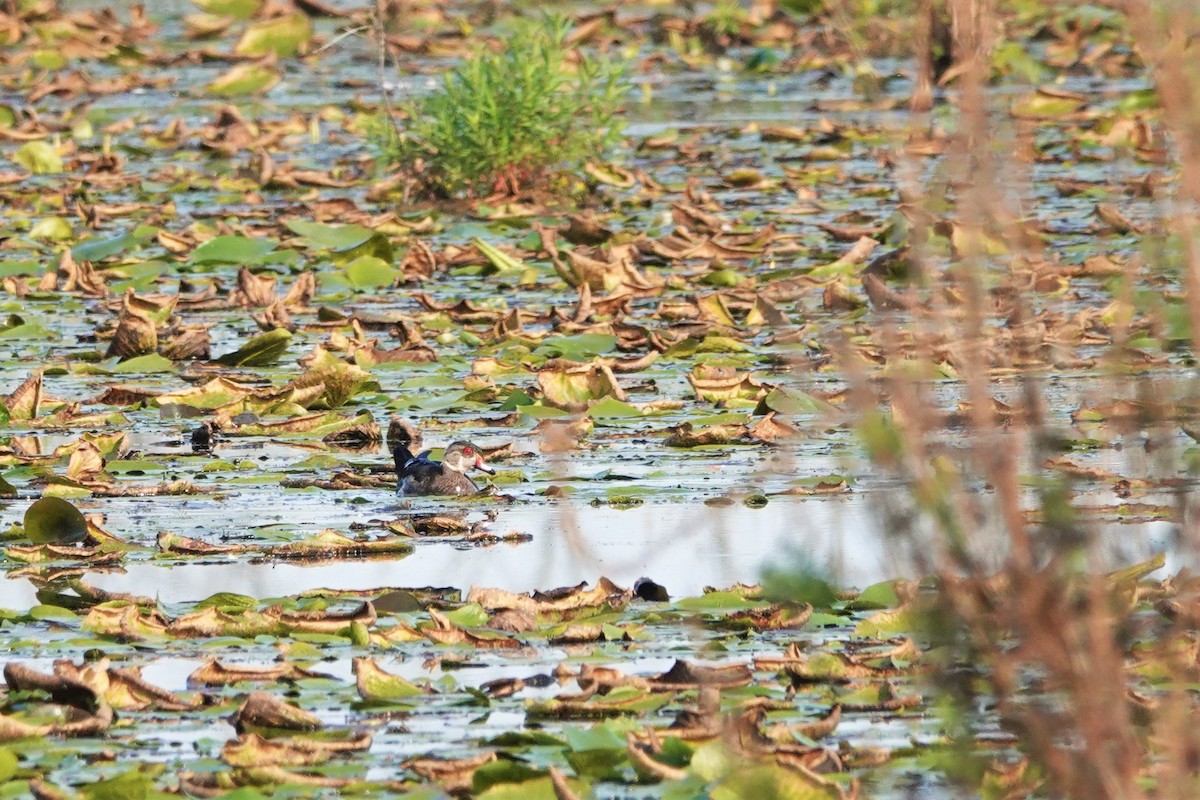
(421, 475)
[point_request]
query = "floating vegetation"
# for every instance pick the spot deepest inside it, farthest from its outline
(879, 290)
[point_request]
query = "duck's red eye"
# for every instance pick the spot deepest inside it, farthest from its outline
(467, 451)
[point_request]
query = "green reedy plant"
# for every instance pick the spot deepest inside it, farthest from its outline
(506, 121)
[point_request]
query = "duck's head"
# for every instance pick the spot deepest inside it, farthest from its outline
(464, 456)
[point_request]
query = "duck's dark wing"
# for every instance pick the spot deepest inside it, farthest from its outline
(418, 475)
(421, 470)
(401, 456)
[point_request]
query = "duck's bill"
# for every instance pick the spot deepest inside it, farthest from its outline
(482, 467)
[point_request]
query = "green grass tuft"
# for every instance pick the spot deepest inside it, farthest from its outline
(507, 121)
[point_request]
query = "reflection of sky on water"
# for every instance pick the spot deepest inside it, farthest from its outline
(685, 548)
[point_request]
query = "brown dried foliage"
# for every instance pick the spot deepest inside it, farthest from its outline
(1030, 611)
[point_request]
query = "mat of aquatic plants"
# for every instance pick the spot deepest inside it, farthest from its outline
(219, 307)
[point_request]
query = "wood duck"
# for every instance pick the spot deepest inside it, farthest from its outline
(420, 475)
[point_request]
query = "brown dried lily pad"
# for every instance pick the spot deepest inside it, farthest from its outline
(25, 402)
(169, 542)
(455, 774)
(817, 729)
(127, 620)
(607, 268)
(687, 675)
(714, 384)
(187, 343)
(556, 603)
(603, 679)
(330, 543)
(342, 481)
(572, 386)
(443, 631)
(835, 667)
(687, 435)
(265, 710)
(325, 621)
(44, 553)
(126, 689)
(773, 617)
(376, 684)
(136, 335)
(86, 462)
(88, 714)
(215, 673)
(252, 750)
(771, 428)
(72, 277)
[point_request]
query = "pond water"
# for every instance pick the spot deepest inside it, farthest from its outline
(682, 547)
(626, 503)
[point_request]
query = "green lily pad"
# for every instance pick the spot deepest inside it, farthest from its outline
(370, 272)
(247, 78)
(263, 350)
(54, 229)
(232, 250)
(503, 772)
(878, 595)
(725, 277)
(48, 59)
(718, 601)
(133, 466)
(52, 520)
(228, 601)
(322, 236)
(30, 330)
(44, 611)
(135, 784)
(375, 685)
(471, 615)
(580, 347)
(39, 157)
(612, 408)
(238, 9)
(145, 365)
(282, 36)
(500, 261)
(97, 248)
